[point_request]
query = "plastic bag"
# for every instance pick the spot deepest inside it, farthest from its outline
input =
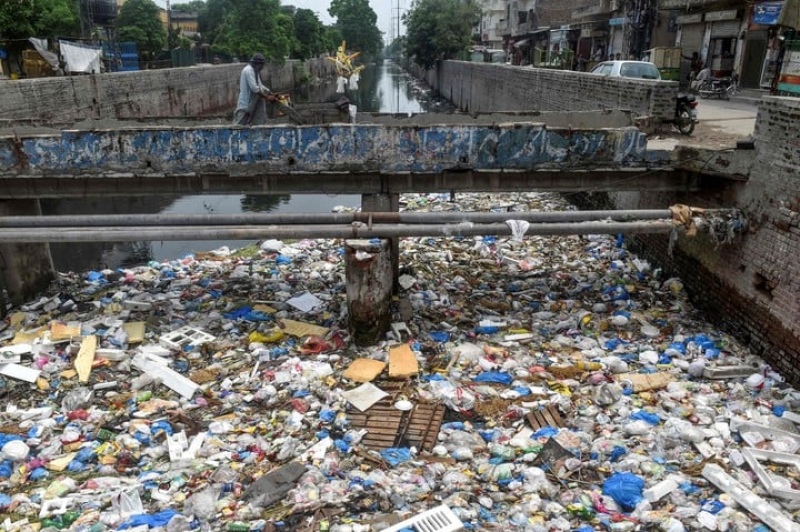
(625, 488)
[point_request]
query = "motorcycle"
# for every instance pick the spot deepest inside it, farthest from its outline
(685, 113)
(722, 88)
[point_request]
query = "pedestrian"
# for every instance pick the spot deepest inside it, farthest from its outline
(251, 109)
(696, 65)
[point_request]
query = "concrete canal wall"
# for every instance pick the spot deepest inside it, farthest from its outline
(206, 90)
(484, 87)
(751, 289)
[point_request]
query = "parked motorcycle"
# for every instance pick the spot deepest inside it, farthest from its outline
(685, 113)
(722, 88)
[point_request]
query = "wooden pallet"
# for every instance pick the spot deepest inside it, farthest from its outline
(547, 417)
(388, 427)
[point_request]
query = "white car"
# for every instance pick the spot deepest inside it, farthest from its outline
(627, 69)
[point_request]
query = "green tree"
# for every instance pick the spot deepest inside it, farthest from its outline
(331, 39)
(252, 26)
(439, 29)
(358, 24)
(209, 19)
(309, 34)
(20, 19)
(138, 21)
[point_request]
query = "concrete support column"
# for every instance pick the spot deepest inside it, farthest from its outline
(26, 269)
(368, 268)
(386, 203)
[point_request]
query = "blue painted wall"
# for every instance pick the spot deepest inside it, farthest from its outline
(330, 148)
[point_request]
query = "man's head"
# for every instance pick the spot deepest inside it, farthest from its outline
(257, 61)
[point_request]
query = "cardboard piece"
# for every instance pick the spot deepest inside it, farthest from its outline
(60, 463)
(642, 382)
(28, 337)
(364, 370)
(85, 358)
(64, 331)
(300, 329)
(402, 362)
(364, 396)
(135, 331)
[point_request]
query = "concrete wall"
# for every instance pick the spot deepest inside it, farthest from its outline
(207, 90)
(483, 87)
(751, 289)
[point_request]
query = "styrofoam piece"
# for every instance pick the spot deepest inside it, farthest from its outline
(176, 444)
(726, 372)
(439, 519)
(180, 338)
(23, 373)
(791, 416)
(771, 482)
(170, 378)
(114, 355)
(55, 506)
(660, 490)
(400, 331)
(769, 514)
(743, 426)
(13, 353)
(518, 337)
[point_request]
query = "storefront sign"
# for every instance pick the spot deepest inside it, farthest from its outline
(697, 18)
(716, 16)
(617, 21)
(767, 13)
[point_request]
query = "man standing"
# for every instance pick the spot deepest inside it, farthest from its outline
(251, 109)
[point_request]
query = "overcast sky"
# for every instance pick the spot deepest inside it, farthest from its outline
(385, 9)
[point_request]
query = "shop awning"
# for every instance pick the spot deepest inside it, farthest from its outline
(520, 44)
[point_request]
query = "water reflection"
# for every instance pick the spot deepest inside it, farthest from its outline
(383, 88)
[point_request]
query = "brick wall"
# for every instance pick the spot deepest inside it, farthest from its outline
(207, 90)
(752, 288)
(482, 87)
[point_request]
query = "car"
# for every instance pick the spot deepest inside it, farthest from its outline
(627, 69)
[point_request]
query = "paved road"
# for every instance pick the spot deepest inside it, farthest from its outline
(722, 123)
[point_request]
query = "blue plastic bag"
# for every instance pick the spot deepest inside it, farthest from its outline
(495, 377)
(395, 456)
(625, 488)
(159, 519)
(653, 419)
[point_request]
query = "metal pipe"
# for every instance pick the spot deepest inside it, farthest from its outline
(103, 220)
(356, 230)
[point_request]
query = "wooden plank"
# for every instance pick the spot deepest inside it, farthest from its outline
(85, 358)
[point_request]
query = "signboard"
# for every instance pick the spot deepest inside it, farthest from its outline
(767, 13)
(716, 16)
(617, 21)
(697, 18)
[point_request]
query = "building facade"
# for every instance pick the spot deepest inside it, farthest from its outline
(742, 37)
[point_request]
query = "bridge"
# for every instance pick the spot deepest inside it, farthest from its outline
(753, 285)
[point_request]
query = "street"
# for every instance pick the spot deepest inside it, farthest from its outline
(722, 123)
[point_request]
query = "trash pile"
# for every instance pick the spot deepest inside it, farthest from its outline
(544, 384)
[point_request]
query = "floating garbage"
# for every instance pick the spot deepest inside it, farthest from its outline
(528, 383)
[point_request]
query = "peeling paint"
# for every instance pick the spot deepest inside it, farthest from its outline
(326, 148)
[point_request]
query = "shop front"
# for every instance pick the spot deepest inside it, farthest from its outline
(722, 47)
(762, 45)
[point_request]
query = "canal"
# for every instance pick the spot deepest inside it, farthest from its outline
(383, 88)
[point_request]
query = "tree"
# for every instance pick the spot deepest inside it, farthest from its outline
(251, 26)
(309, 34)
(439, 29)
(138, 21)
(209, 19)
(20, 19)
(358, 24)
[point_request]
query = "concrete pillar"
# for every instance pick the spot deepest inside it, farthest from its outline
(26, 269)
(368, 268)
(386, 203)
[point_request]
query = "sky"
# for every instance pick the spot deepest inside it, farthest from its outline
(385, 9)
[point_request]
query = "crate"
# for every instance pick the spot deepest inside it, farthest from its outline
(670, 74)
(665, 57)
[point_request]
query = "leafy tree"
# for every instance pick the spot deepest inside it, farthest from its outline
(138, 21)
(209, 19)
(251, 26)
(20, 19)
(309, 34)
(358, 24)
(439, 29)
(195, 6)
(331, 39)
